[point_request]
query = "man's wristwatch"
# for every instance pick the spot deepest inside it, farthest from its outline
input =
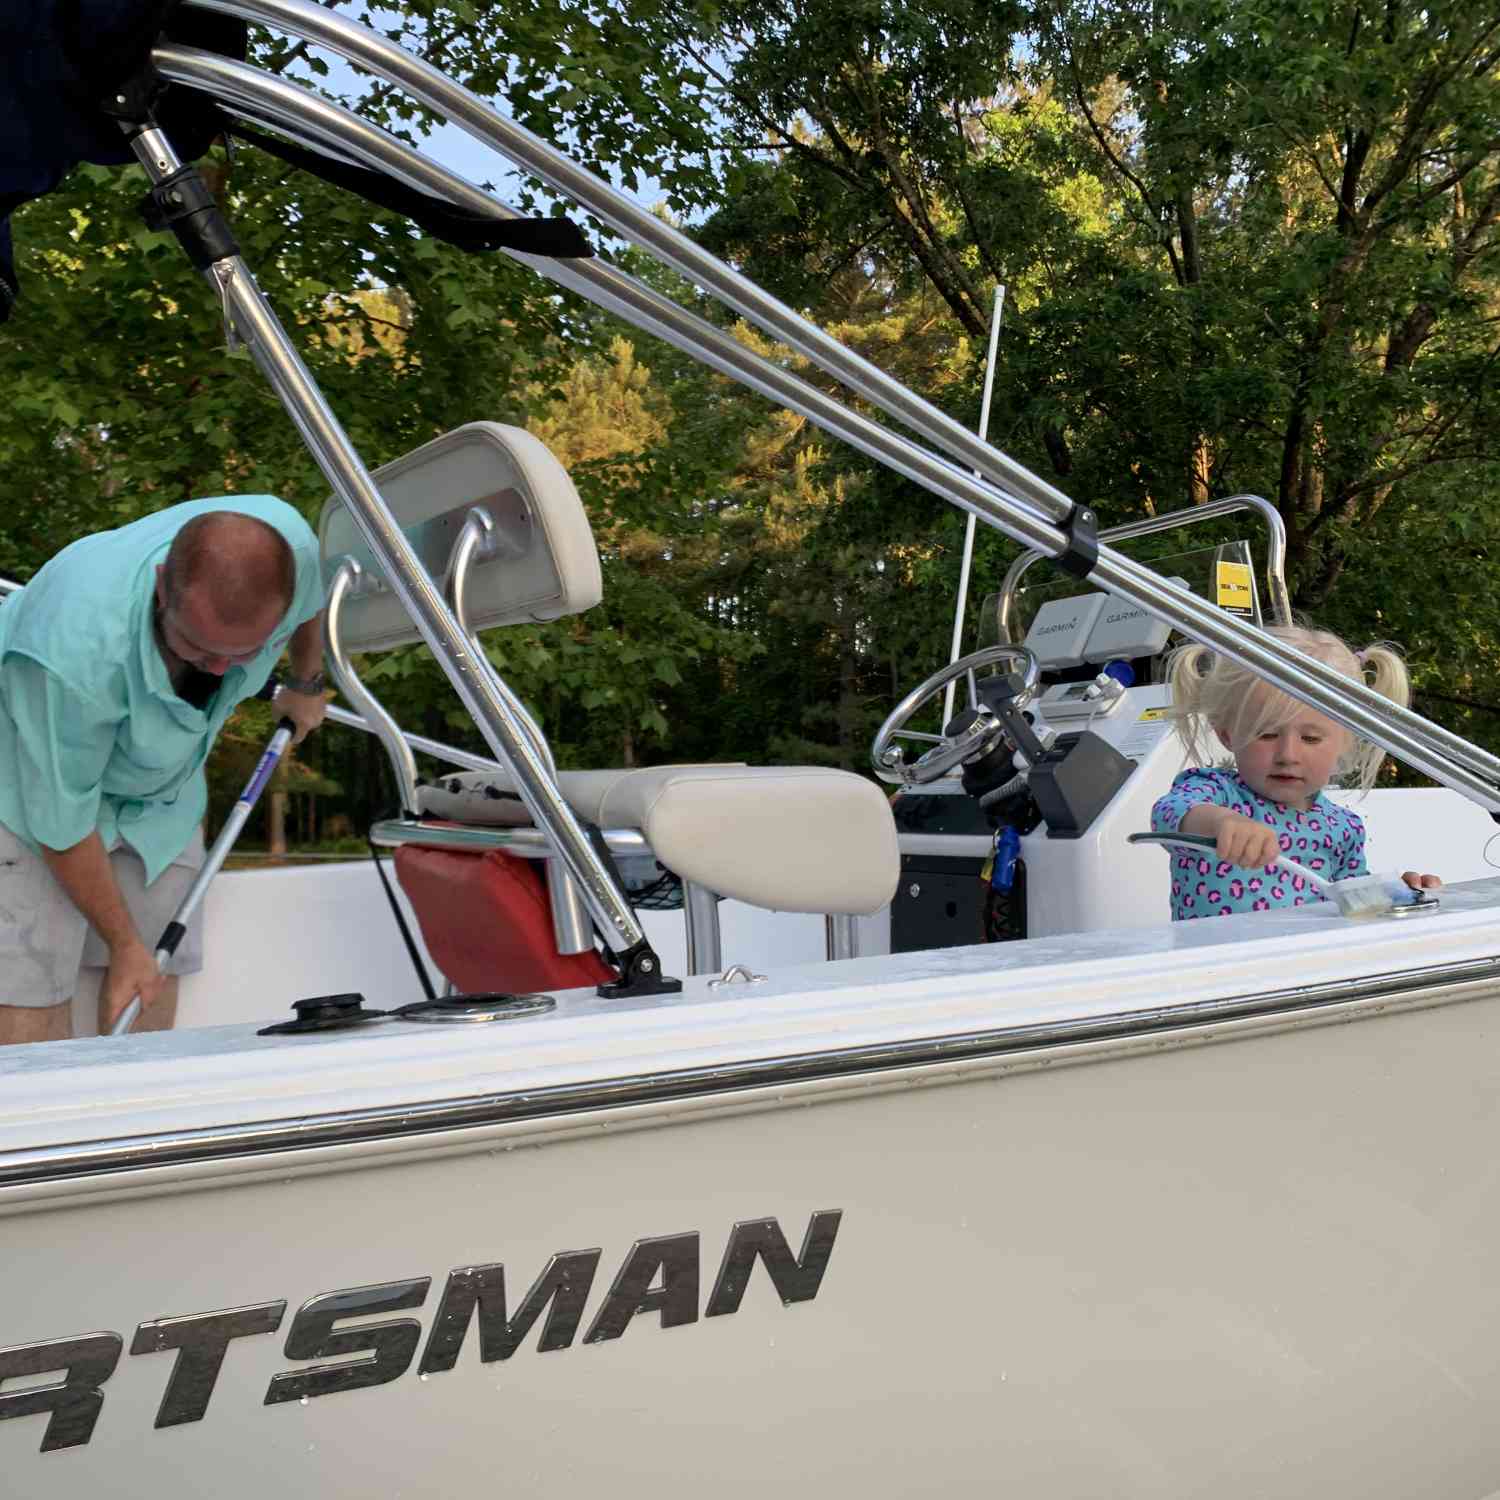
(312, 686)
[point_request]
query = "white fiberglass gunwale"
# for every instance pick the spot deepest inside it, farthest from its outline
(1007, 496)
(183, 1107)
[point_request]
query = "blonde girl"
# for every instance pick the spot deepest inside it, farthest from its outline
(1270, 801)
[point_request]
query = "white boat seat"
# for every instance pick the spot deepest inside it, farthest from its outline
(788, 838)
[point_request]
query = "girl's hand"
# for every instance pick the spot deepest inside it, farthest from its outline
(1238, 839)
(1244, 842)
(1421, 882)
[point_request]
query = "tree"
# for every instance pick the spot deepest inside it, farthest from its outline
(1323, 187)
(122, 394)
(1254, 250)
(1246, 247)
(1249, 247)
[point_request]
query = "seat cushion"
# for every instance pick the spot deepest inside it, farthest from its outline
(788, 838)
(487, 924)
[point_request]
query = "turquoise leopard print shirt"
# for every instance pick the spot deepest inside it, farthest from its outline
(1327, 838)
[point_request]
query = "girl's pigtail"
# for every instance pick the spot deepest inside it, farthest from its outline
(1384, 669)
(1187, 676)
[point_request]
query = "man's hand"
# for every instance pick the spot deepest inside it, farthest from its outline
(132, 971)
(305, 710)
(83, 872)
(304, 655)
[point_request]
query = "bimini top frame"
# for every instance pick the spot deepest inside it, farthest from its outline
(1001, 493)
(1281, 605)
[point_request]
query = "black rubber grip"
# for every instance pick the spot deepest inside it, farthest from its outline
(1196, 840)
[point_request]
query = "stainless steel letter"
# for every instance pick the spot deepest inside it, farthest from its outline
(75, 1400)
(565, 1283)
(795, 1280)
(313, 1337)
(676, 1257)
(200, 1340)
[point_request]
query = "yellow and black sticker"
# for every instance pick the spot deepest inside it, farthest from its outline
(1150, 715)
(1233, 588)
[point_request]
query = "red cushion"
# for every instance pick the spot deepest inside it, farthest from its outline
(487, 924)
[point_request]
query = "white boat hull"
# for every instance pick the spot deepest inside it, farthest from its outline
(1236, 1255)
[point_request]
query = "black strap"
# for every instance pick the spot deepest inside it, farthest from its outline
(411, 947)
(184, 204)
(558, 238)
(1082, 552)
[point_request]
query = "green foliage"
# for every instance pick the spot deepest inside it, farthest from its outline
(123, 398)
(1246, 247)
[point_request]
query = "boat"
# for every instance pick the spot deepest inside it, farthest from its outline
(815, 1191)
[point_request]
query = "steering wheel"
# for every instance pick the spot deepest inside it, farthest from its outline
(969, 734)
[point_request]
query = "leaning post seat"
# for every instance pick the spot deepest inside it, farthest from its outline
(786, 838)
(490, 512)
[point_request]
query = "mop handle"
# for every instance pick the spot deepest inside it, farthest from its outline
(173, 933)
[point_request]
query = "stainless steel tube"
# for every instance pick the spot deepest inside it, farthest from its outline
(571, 928)
(376, 720)
(530, 843)
(1170, 521)
(341, 465)
(470, 113)
(471, 539)
(700, 908)
(1426, 746)
(839, 936)
(327, 124)
(1421, 744)
(435, 748)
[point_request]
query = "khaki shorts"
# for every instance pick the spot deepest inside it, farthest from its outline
(45, 940)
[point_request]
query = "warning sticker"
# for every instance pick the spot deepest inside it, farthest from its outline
(1233, 588)
(1150, 715)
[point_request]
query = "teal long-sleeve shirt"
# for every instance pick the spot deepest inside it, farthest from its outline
(93, 738)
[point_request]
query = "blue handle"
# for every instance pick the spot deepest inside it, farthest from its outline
(1007, 851)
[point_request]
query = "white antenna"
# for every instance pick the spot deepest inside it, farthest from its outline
(968, 557)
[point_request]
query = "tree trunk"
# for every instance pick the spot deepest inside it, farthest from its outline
(276, 822)
(850, 738)
(1200, 471)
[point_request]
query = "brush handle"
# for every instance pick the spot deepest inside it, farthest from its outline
(1203, 841)
(1319, 883)
(1189, 840)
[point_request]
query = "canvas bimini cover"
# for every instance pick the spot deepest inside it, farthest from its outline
(59, 61)
(62, 62)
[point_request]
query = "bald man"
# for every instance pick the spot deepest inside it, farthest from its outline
(119, 663)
